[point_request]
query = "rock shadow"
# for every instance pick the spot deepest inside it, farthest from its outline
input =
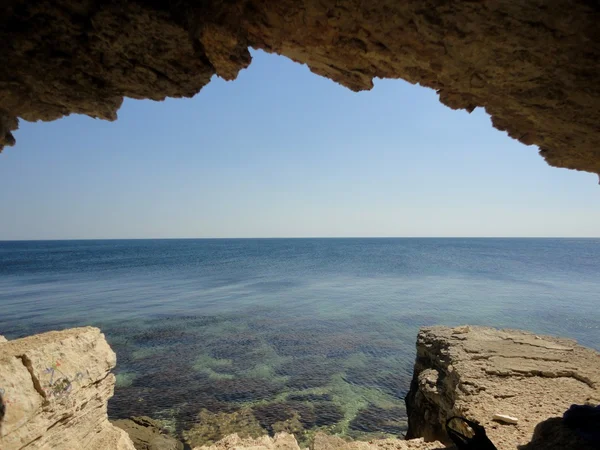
(553, 434)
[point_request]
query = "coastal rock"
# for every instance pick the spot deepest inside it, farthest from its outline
(3, 339)
(481, 372)
(148, 434)
(321, 441)
(56, 387)
(324, 441)
(281, 441)
(534, 66)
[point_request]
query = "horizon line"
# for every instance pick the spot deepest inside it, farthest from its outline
(294, 237)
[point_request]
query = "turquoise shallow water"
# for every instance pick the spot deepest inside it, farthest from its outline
(320, 330)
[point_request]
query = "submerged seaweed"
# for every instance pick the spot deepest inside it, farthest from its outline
(198, 371)
(377, 419)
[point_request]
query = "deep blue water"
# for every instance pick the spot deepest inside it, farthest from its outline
(318, 329)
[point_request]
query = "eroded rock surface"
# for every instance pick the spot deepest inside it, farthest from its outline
(322, 441)
(56, 387)
(534, 66)
(477, 372)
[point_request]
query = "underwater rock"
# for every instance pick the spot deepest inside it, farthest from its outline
(314, 380)
(292, 426)
(376, 419)
(148, 434)
(295, 345)
(275, 417)
(393, 382)
(307, 372)
(133, 401)
(244, 389)
(210, 427)
(182, 396)
(310, 397)
(476, 372)
(315, 339)
(327, 413)
(270, 414)
(235, 346)
(160, 336)
(157, 391)
(186, 415)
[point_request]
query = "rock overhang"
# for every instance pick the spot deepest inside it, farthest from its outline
(533, 66)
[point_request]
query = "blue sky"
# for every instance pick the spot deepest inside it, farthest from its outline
(281, 152)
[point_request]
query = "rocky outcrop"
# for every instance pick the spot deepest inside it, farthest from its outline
(55, 388)
(534, 66)
(484, 374)
(321, 441)
(148, 434)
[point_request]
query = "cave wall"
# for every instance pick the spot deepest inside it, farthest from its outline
(534, 65)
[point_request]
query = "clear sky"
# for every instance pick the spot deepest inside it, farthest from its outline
(281, 152)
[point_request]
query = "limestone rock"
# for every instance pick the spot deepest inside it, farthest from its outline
(322, 441)
(281, 441)
(533, 65)
(3, 339)
(147, 434)
(485, 372)
(56, 387)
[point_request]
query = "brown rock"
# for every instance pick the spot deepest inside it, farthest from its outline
(148, 434)
(481, 372)
(322, 441)
(56, 387)
(534, 66)
(292, 425)
(281, 441)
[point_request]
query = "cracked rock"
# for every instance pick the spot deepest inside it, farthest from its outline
(55, 388)
(515, 373)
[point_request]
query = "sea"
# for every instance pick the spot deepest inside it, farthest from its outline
(215, 335)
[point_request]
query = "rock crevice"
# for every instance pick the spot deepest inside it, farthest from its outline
(36, 383)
